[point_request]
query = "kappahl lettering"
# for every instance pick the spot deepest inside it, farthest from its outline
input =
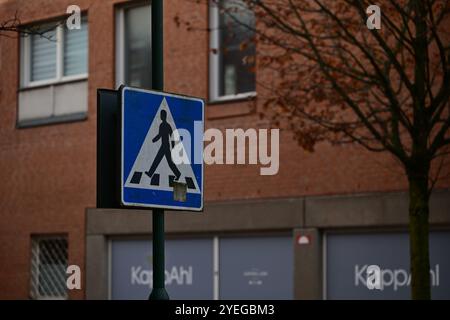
(373, 277)
(178, 275)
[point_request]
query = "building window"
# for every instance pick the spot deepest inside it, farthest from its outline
(133, 46)
(59, 55)
(48, 267)
(232, 50)
(54, 71)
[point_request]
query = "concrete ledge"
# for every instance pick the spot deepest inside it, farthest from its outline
(363, 210)
(372, 210)
(260, 215)
(52, 120)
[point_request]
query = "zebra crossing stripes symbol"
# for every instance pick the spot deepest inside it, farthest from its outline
(155, 180)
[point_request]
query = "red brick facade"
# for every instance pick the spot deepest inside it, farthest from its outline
(48, 173)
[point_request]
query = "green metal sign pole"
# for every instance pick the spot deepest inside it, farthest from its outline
(159, 291)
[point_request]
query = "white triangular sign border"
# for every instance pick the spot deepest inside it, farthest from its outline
(147, 154)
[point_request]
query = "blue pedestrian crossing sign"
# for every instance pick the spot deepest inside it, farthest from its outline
(162, 148)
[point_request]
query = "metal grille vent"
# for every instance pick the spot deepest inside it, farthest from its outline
(48, 267)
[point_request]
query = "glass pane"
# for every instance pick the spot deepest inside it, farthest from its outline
(43, 56)
(76, 49)
(189, 269)
(138, 47)
(256, 268)
(237, 48)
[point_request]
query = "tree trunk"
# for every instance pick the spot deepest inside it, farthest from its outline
(418, 234)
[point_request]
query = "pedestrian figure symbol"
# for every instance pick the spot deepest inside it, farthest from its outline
(165, 150)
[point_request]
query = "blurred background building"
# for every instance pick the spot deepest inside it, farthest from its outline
(308, 232)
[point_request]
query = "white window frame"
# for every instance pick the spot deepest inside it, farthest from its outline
(120, 43)
(214, 59)
(25, 52)
(120, 40)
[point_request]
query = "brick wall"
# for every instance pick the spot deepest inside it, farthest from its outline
(47, 173)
